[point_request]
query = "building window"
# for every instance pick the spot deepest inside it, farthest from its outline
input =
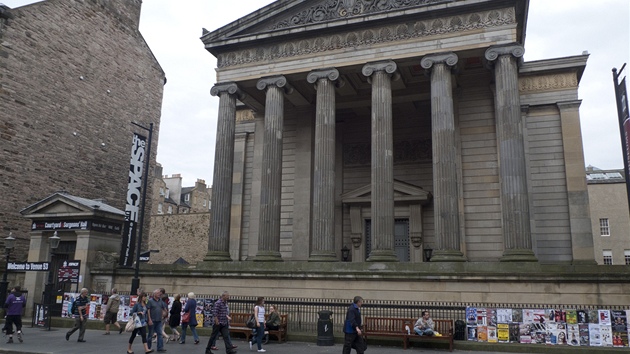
(604, 228)
(608, 257)
(168, 193)
(187, 197)
(161, 191)
(626, 255)
(170, 209)
(160, 208)
(204, 202)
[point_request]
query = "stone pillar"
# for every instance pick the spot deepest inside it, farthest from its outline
(271, 179)
(512, 169)
(445, 199)
(218, 243)
(323, 236)
(579, 210)
(380, 74)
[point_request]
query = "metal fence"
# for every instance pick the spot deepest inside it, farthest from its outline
(303, 313)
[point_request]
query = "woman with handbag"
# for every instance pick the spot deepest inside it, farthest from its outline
(138, 313)
(189, 318)
(259, 314)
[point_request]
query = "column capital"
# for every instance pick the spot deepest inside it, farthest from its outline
(569, 105)
(495, 51)
(280, 81)
(388, 66)
(229, 87)
(449, 58)
(331, 74)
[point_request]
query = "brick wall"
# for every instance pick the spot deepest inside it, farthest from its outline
(179, 235)
(73, 75)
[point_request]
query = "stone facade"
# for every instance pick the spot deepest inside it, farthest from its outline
(179, 236)
(608, 199)
(73, 76)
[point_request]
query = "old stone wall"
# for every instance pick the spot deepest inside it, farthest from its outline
(179, 235)
(73, 76)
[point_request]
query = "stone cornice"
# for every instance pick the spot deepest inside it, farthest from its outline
(329, 10)
(280, 81)
(368, 37)
(229, 87)
(449, 59)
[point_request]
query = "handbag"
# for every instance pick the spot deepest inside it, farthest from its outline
(186, 317)
(137, 322)
(131, 324)
(251, 322)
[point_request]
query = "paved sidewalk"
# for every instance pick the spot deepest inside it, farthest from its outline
(38, 340)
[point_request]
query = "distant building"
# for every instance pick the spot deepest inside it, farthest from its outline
(73, 76)
(181, 218)
(610, 216)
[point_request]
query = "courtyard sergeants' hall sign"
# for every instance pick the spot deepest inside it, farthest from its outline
(134, 193)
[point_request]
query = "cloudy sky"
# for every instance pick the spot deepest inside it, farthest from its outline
(556, 28)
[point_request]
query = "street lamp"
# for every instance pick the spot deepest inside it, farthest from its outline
(9, 243)
(48, 288)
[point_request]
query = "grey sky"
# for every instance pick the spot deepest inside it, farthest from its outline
(556, 28)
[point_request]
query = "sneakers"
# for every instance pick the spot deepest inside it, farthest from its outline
(261, 350)
(10, 340)
(19, 335)
(250, 345)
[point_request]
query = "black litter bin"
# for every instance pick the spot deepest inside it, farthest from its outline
(325, 335)
(460, 330)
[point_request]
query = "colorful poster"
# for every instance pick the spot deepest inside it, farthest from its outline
(572, 317)
(503, 332)
(471, 316)
(515, 332)
(481, 317)
(604, 317)
(582, 316)
(482, 333)
(504, 315)
(492, 334)
(68, 300)
(525, 333)
(207, 312)
(605, 332)
(585, 337)
(491, 315)
(517, 315)
(472, 333)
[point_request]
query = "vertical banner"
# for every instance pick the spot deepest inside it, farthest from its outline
(132, 208)
(621, 95)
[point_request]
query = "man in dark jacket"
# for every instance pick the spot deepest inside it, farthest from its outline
(79, 312)
(352, 328)
(14, 305)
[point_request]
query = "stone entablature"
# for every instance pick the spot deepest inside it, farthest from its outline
(559, 81)
(366, 37)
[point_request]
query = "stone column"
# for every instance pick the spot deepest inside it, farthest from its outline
(271, 179)
(512, 170)
(579, 210)
(380, 74)
(218, 243)
(323, 237)
(445, 199)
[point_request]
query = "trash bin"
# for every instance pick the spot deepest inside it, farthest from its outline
(325, 335)
(460, 330)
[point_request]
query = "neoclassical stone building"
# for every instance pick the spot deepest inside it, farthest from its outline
(389, 127)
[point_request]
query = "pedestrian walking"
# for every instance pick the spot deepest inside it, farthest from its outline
(155, 310)
(259, 314)
(14, 305)
(190, 319)
(111, 316)
(140, 310)
(221, 325)
(79, 312)
(352, 328)
(176, 316)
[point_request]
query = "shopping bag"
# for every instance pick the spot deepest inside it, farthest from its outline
(137, 322)
(131, 325)
(186, 317)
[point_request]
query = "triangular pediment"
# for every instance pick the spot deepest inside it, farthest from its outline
(63, 204)
(303, 18)
(402, 192)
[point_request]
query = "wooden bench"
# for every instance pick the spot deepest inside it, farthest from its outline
(237, 325)
(395, 327)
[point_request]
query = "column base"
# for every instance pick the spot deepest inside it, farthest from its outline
(518, 255)
(217, 256)
(448, 256)
(268, 256)
(323, 256)
(382, 256)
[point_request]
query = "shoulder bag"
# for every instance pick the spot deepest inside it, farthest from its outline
(186, 317)
(251, 322)
(131, 324)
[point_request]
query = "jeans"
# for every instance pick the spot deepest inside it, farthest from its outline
(260, 333)
(156, 327)
(80, 325)
(424, 332)
(193, 330)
